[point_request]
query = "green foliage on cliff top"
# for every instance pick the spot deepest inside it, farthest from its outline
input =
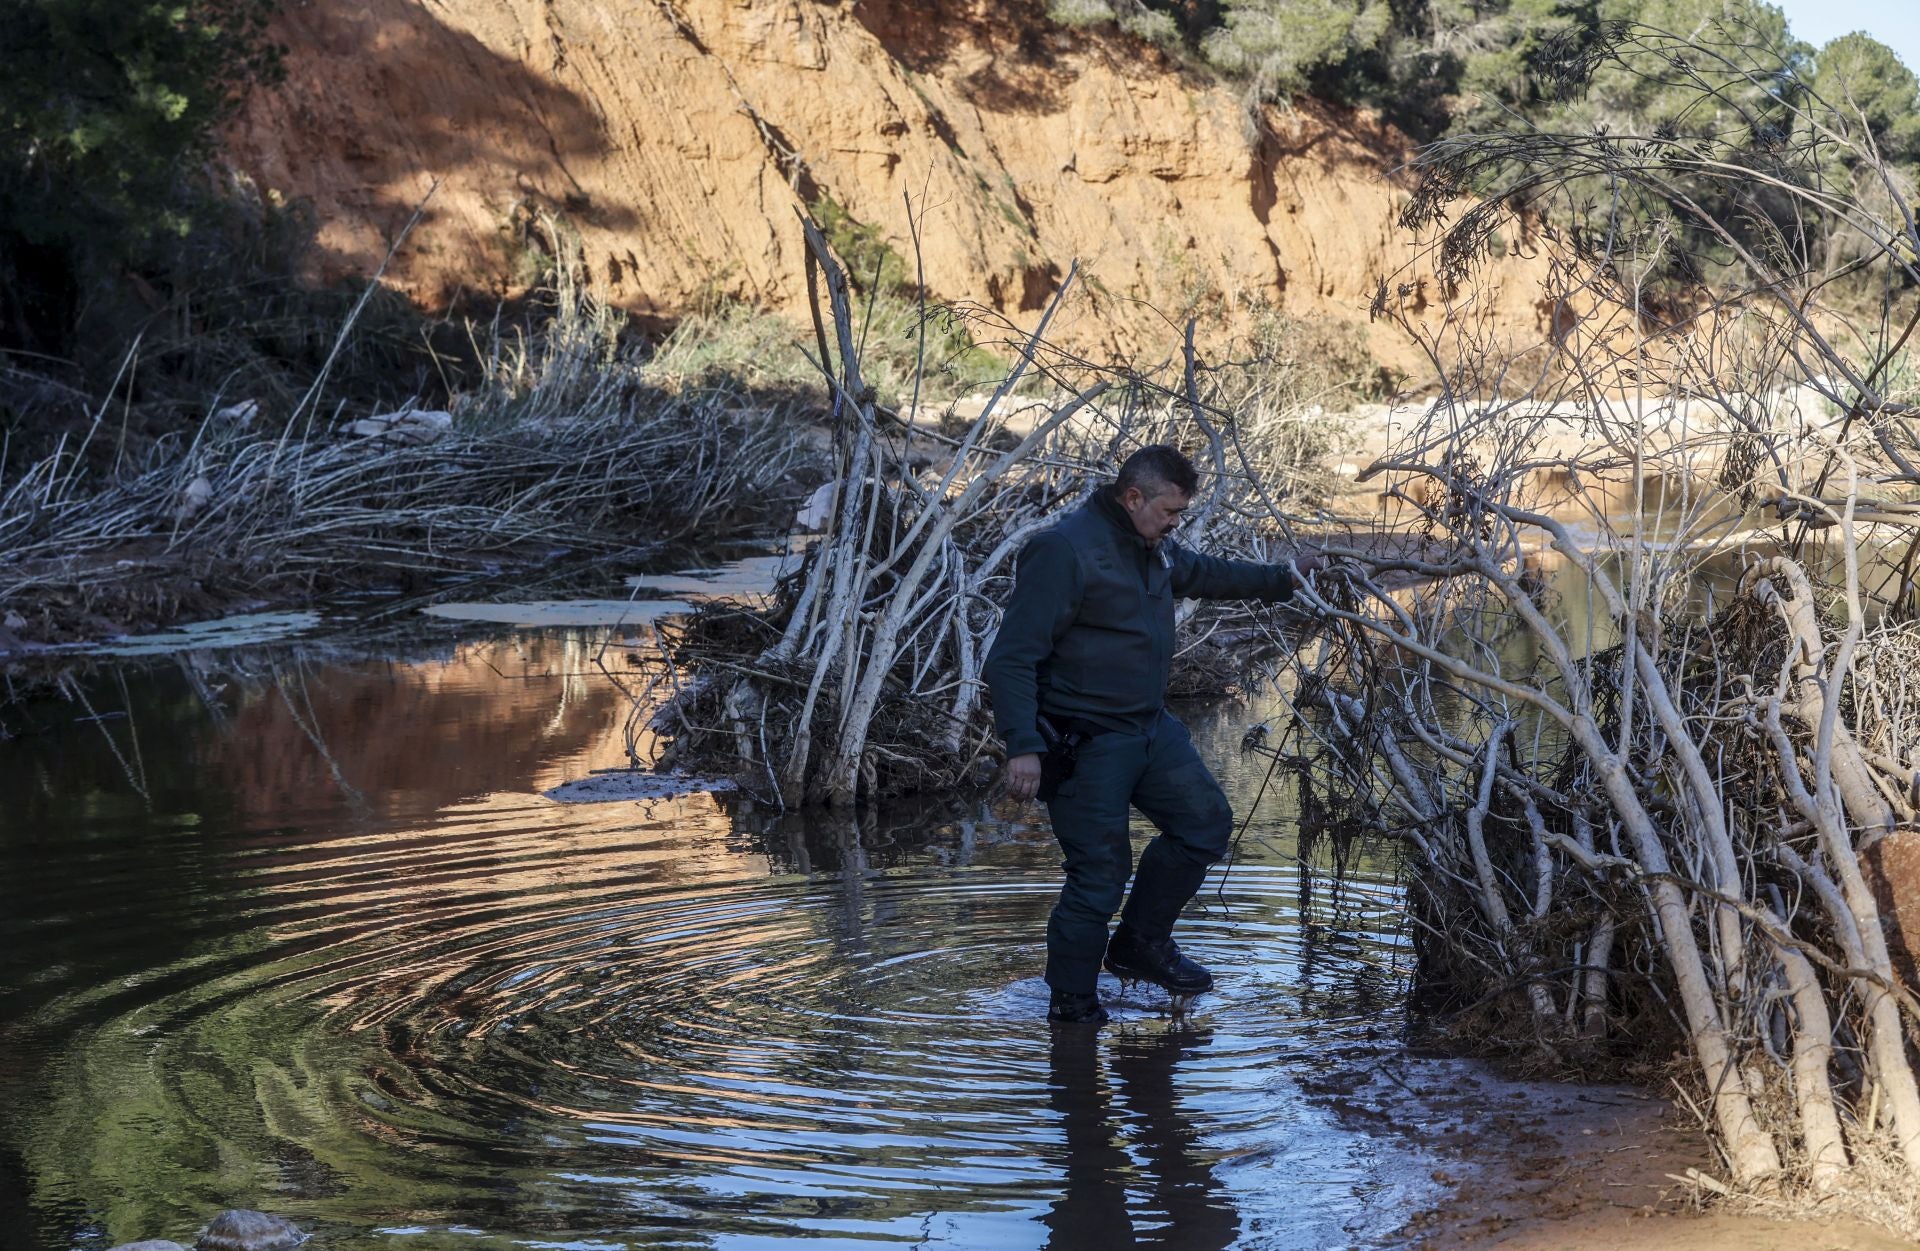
(1710, 87)
(1459, 66)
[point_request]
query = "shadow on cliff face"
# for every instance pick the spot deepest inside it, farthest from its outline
(381, 99)
(1021, 69)
(468, 110)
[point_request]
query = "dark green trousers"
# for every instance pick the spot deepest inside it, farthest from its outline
(1159, 773)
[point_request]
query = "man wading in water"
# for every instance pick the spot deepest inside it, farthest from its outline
(1078, 675)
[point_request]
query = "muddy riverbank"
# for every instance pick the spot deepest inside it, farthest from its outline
(1548, 1166)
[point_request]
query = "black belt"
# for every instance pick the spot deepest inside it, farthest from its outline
(1056, 729)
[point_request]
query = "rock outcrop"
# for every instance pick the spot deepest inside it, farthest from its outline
(678, 137)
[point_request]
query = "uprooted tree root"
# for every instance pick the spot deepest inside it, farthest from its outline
(1648, 720)
(1662, 844)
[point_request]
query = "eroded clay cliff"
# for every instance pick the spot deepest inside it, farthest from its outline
(679, 137)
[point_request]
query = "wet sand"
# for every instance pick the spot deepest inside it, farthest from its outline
(1549, 1167)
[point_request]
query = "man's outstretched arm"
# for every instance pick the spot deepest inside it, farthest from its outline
(1045, 599)
(1209, 577)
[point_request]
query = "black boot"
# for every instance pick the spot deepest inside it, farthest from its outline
(1134, 959)
(1072, 1007)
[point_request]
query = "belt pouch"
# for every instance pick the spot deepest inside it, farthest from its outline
(1057, 763)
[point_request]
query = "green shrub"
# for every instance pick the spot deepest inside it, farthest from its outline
(1436, 67)
(1282, 46)
(108, 110)
(739, 342)
(871, 262)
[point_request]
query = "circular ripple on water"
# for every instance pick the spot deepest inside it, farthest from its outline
(641, 1049)
(836, 1041)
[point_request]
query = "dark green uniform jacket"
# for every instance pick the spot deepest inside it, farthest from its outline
(1088, 632)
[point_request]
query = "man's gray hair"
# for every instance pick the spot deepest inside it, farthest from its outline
(1156, 467)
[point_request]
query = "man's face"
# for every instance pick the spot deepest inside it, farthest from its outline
(1155, 516)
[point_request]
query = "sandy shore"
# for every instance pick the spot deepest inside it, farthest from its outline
(1546, 1166)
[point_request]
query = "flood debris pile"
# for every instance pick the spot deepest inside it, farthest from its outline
(862, 679)
(1648, 720)
(567, 445)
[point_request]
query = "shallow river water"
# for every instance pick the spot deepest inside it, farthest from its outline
(296, 929)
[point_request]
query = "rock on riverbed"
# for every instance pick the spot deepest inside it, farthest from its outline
(236, 1229)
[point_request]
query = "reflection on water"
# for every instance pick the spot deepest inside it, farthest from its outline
(299, 933)
(1135, 1099)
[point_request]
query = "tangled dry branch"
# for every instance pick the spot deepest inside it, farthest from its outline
(1645, 716)
(863, 678)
